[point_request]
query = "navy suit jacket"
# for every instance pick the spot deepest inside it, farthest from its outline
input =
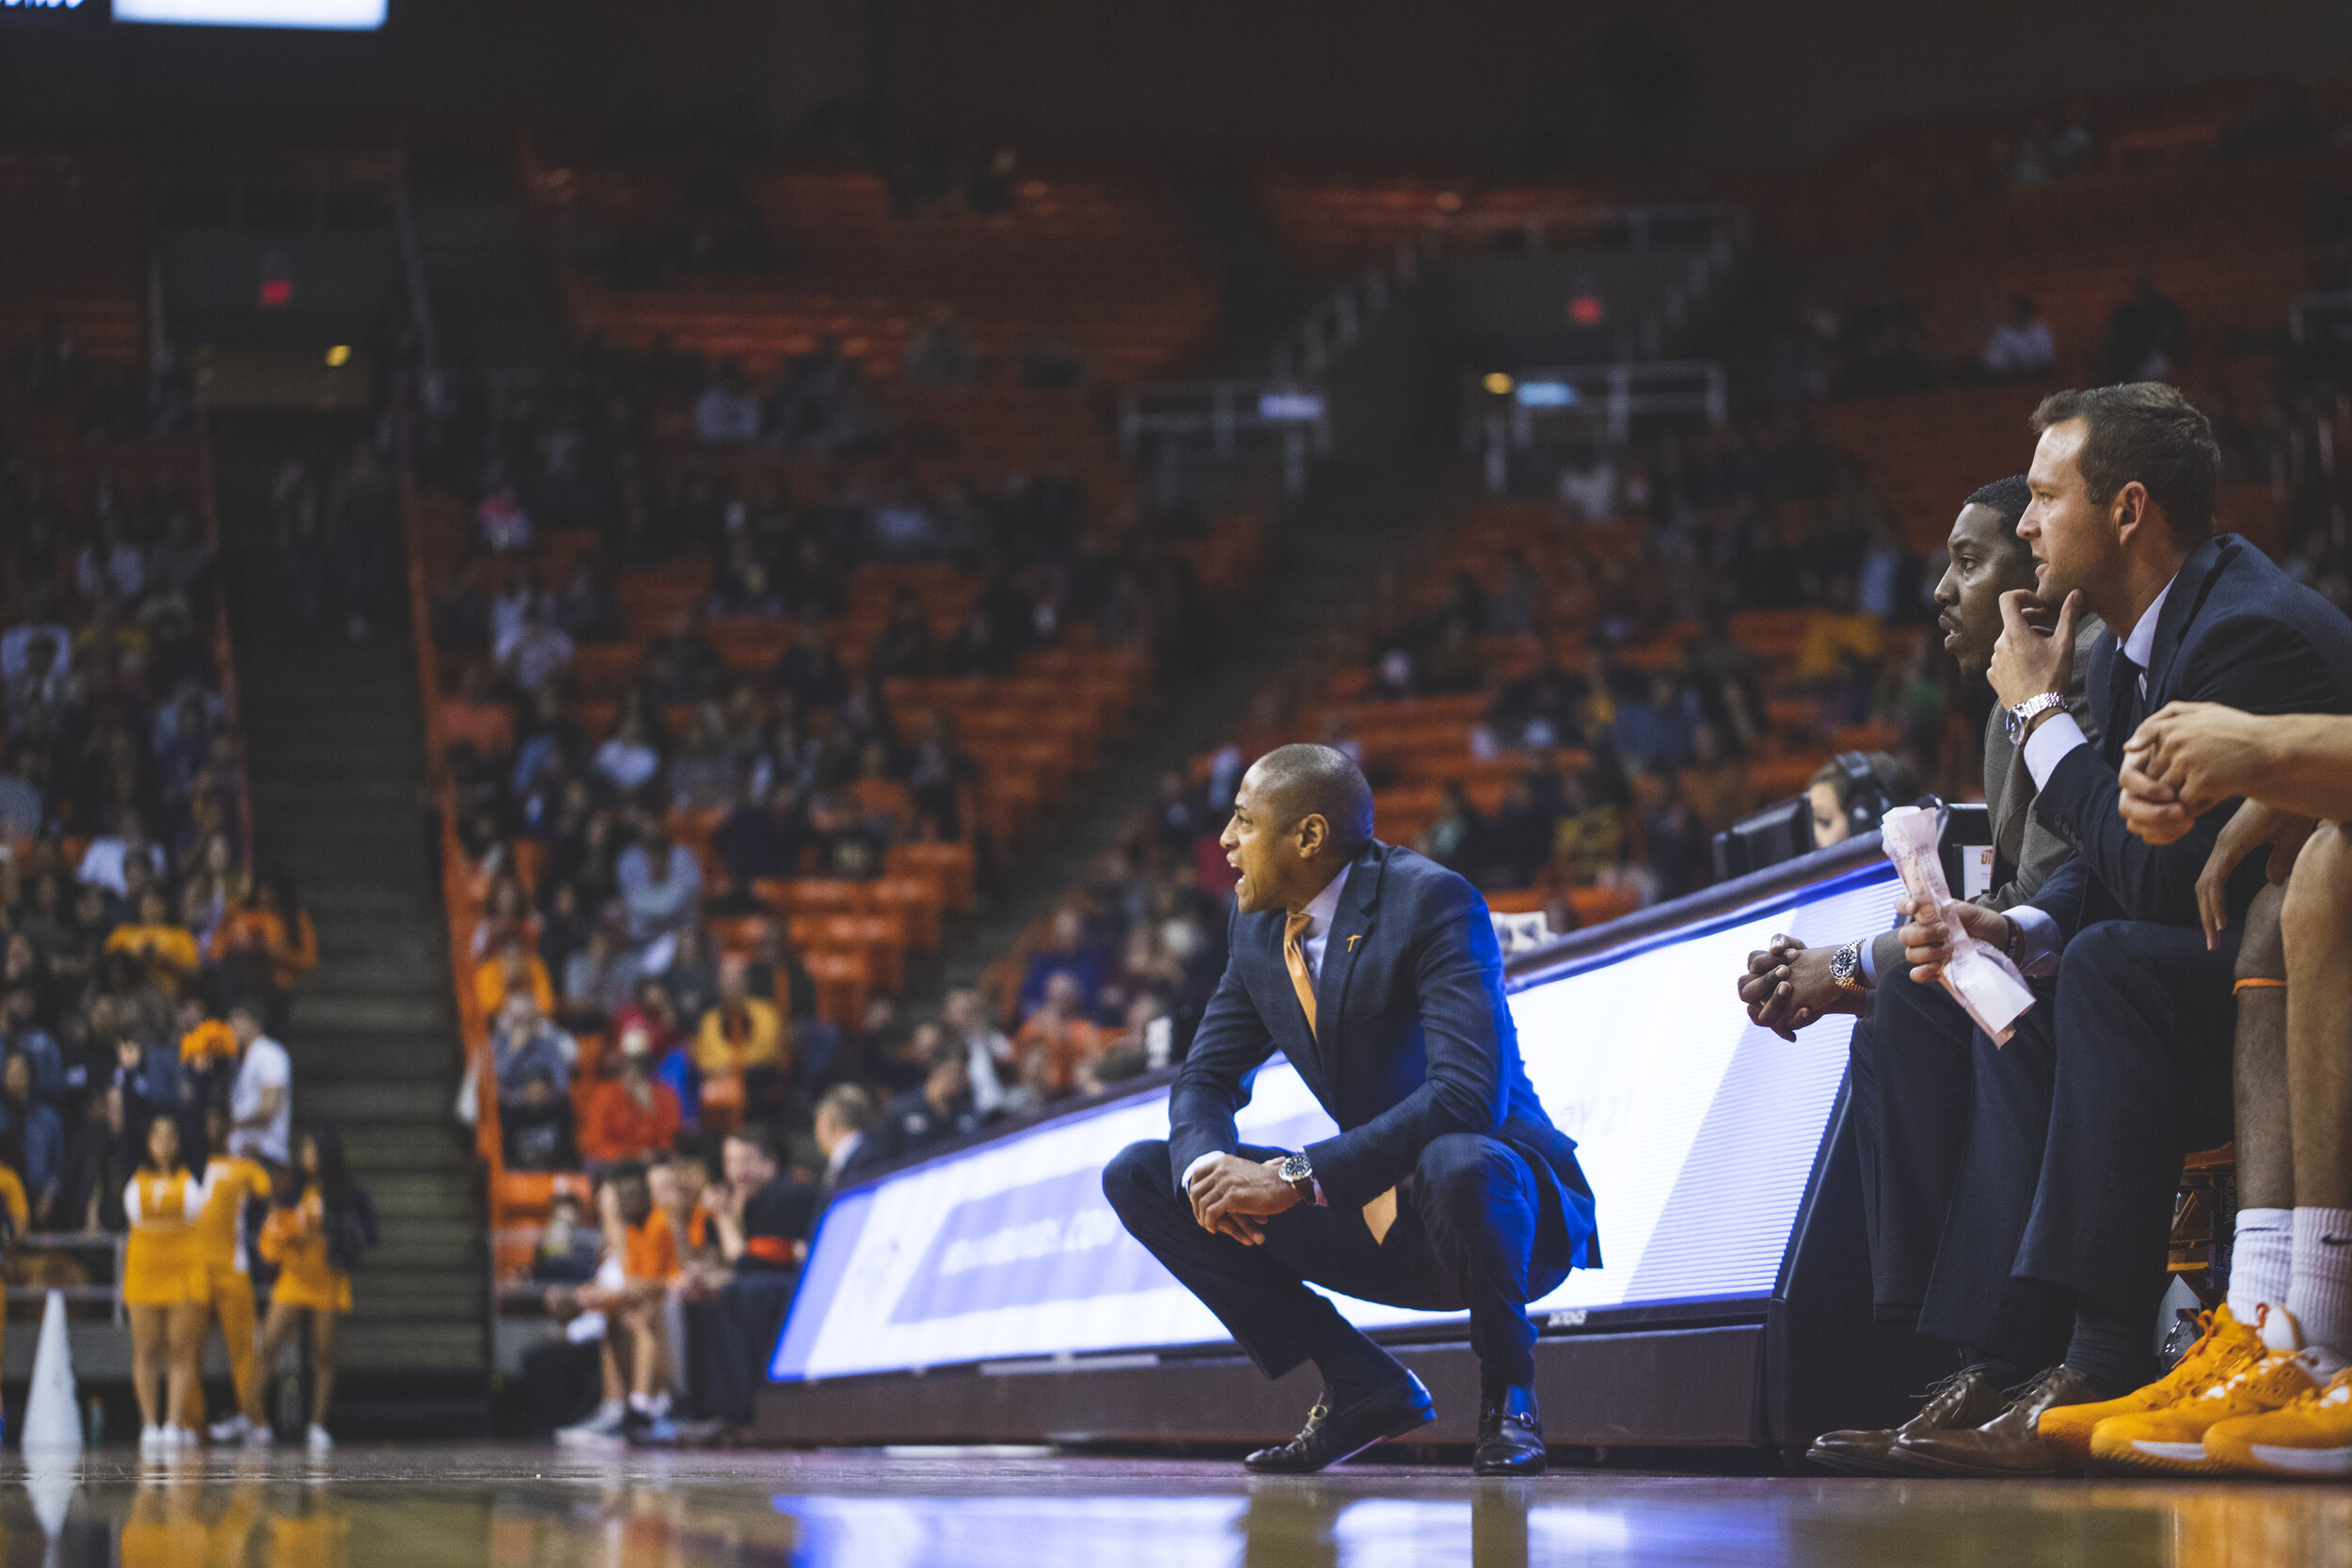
(1414, 1041)
(2236, 630)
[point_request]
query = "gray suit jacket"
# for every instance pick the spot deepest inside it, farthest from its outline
(2021, 844)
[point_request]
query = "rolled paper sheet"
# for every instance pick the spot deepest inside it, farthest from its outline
(1979, 976)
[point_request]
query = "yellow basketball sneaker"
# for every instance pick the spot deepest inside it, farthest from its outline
(2310, 1439)
(2224, 1348)
(2171, 1441)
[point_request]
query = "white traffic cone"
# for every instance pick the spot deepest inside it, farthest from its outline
(53, 1417)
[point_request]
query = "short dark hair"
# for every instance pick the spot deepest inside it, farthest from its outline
(754, 1137)
(2144, 431)
(623, 1171)
(2009, 496)
(1321, 781)
(850, 1105)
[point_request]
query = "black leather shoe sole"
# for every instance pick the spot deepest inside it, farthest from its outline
(1524, 1461)
(1417, 1411)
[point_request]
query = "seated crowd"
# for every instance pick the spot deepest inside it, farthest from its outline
(631, 833)
(144, 965)
(2163, 756)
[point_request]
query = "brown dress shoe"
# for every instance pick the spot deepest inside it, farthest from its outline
(2005, 1446)
(1965, 1398)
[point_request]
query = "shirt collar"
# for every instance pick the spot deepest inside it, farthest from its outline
(2141, 644)
(841, 1152)
(1326, 905)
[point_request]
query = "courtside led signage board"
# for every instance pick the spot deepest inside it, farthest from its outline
(350, 16)
(1699, 1133)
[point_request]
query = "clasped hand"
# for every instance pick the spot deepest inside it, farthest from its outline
(1232, 1196)
(2185, 759)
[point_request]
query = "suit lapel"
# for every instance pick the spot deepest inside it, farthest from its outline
(2181, 605)
(2000, 788)
(1350, 929)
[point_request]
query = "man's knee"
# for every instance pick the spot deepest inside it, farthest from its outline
(1461, 1171)
(2318, 910)
(2262, 953)
(1138, 1169)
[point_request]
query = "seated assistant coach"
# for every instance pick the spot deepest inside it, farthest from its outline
(1376, 973)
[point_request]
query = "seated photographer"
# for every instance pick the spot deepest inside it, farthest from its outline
(1919, 1063)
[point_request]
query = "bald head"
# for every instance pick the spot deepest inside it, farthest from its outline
(1300, 815)
(1306, 780)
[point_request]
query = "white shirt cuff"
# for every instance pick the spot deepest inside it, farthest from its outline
(2048, 745)
(2038, 939)
(1870, 963)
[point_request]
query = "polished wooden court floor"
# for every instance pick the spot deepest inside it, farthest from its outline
(521, 1507)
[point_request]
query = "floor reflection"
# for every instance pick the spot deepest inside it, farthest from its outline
(525, 1508)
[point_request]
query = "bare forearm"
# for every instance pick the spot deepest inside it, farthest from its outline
(2303, 765)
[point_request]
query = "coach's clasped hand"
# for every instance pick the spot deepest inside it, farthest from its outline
(1230, 1196)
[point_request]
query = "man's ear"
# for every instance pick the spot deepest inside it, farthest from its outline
(2129, 511)
(1313, 833)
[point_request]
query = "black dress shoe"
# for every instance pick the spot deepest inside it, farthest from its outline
(1333, 1435)
(1510, 1436)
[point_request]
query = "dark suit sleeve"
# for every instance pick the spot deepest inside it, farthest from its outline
(1458, 975)
(1231, 1043)
(2258, 663)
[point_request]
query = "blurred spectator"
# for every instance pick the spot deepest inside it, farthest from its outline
(33, 1136)
(2147, 336)
(740, 1050)
(660, 882)
(630, 1117)
(939, 354)
(940, 1110)
(535, 655)
(512, 970)
(1059, 1033)
(843, 1129)
(725, 414)
(991, 1062)
(260, 1097)
(2021, 345)
(1067, 952)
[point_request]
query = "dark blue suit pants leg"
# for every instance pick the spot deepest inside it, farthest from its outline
(1472, 1232)
(2146, 1029)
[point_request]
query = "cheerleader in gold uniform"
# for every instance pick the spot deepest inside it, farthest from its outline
(163, 1290)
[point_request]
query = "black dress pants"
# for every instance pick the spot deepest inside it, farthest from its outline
(2147, 1023)
(2003, 1183)
(1949, 1130)
(1476, 1229)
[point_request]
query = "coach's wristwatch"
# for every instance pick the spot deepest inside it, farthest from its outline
(2024, 713)
(1300, 1174)
(1845, 968)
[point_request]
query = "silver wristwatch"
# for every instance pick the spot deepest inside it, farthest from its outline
(2026, 712)
(1300, 1175)
(1845, 968)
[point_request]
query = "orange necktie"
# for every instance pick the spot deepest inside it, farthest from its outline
(1380, 1213)
(1295, 958)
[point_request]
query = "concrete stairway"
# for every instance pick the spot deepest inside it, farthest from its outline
(335, 751)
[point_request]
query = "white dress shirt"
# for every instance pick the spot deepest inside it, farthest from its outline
(2038, 939)
(1320, 912)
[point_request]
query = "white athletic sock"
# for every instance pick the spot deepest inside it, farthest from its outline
(2321, 1295)
(2262, 1261)
(641, 1403)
